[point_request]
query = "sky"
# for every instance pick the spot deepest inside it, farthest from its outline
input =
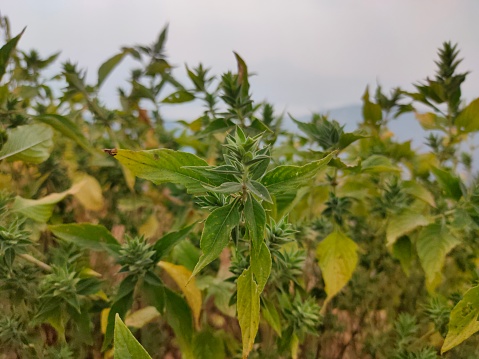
(308, 55)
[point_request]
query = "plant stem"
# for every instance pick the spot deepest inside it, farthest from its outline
(35, 261)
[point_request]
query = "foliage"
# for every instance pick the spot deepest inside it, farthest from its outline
(227, 236)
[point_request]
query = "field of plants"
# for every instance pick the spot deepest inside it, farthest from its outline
(122, 236)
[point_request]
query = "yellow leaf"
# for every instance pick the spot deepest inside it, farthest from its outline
(104, 319)
(87, 191)
(143, 316)
(150, 227)
(181, 275)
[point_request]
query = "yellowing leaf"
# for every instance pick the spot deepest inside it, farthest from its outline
(337, 257)
(39, 210)
(248, 306)
(181, 275)
(104, 319)
(434, 242)
(404, 223)
(141, 317)
(150, 227)
(88, 192)
(419, 191)
(463, 321)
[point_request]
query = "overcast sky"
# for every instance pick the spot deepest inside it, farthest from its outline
(309, 55)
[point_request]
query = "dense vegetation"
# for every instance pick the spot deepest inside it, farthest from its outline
(228, 237)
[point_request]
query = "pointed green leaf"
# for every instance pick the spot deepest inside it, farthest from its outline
(468, 119)
(403, 251)
(259, 190)
(126, 346)
(179, 97)
(290, 178)
(89, 236)
(261, 265)
(378, 163)
(107, 67)
(208, 345)
(372, 112)
(271, 315)
(167, 242)
(29, 143)
(337, 258)
(463, 321)
(248, 306)
(6, 52)
(178, 315)
(255, 218)
(66, 127)
(419, 191)
(450, 183)
(227, 188)
(403, 223)
(216, 233)
(434, 242)
(39, 210)
(165, 165)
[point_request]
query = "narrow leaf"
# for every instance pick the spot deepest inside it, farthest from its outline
(107, 67)
(6, 52)
(167, 242)
(261, 263)
(255, 217)
(248, 306)
(179, 97)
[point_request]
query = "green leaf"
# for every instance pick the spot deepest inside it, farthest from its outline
(283, 179)
(403, 223)
(179, 97)
(419, 191)
(89, 236)
(66, 127)
(372, 112)
(271, 315)
(468, 119)
(29, 143)
(433, 243)
(107, 67)
(463, 321)
(164, 165)
(126, 346)
(39, 210)
(178, 315)
(227, 188)
(378, 163)
(248, 306)
(403, 251)
(261, 265)
(255, 218)
(207, 345)
(259, 190)
(216, 233)
(337, 258)
(122, 303)
(350, 137)
(450, 183)
(6, 52)
(167, 242)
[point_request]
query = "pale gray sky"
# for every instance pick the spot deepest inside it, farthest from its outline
(309, 55)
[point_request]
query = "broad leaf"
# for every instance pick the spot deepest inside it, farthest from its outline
(463, 321)
(450, 183)
(39, 210)
(67, 128)
(419, 191)
(434, 242)
(165, 165)
(403, 251)
(404, 223)
(283, 179)
(89, 236)
(377, 164)
(29, 143)
(126, 346)
(178, 316)
(179, 97)
(372, 112)
(468, 119)
(216, 233)
(208, 345)
(337, 258)
(192, 294)
(248, 306)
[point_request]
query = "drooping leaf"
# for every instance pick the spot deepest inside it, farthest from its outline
(271, 315)
(6, 51)
(378, 163)
(67, 128)
(178, 316)
(248, 306)
(167, 242)
(468, 119)
(463, 321)
(403, 251)
(192, 294)
(39, 210)
(216, 233)
(403, 223)
(126, 346)
(434, 242)
(419, 191)
(261, 263)
(337, 258)
(180, 96)
(288, 178)
(29, 143)
(450, 183)
(165, 165)
(87, 190)
(89, 236)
